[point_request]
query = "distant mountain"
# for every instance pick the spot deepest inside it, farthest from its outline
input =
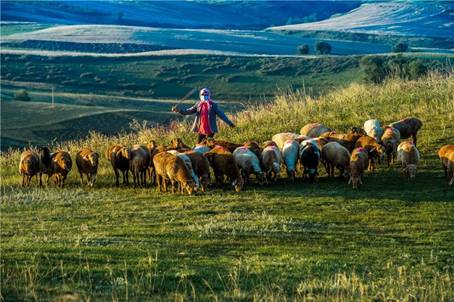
(175, 14)
(418, 18)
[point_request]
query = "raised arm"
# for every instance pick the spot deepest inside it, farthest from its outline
(187, 111)
(223, 117)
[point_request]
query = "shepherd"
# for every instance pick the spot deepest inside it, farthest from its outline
(205, 121)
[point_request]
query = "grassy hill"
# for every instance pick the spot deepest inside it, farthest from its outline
(390, 240)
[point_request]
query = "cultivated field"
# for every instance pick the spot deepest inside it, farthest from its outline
(390, 240)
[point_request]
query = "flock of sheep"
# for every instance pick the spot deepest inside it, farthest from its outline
(188, 169)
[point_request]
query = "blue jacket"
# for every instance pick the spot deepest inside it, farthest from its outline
(214, 110)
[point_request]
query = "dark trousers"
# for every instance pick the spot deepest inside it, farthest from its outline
(204, 136)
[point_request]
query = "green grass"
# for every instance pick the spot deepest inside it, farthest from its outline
(391, 240)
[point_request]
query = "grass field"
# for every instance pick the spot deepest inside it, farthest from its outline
(388, 241)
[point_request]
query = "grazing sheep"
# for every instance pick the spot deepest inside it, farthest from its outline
(269, 143)
(139, 161)
(309, 158)
(87, 163)
(313, 130)
(228, 145)
(334, 155)
(390, 140)
(254, 147)
(281, 138)
(373, 129)
(29, 166)
(178, 144)
(319, 142)
(172, 168)
(223, 163)
(60, 165)
(119, 157)
(201, 148)
(375, 151)
(201, 167)
(187, 161)
(358, 163)
(408, 155)
(290, 152)
(271, 162)
(444, 154)
(408, 127)
(44, 162)
(248, 163)
(347, 140)
(356, 130)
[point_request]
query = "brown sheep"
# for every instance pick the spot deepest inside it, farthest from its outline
(153, 150)
(139, 162)
(60, 166)
(171, 168)
(358, 163)
(228, 145)
(201, 167)
(408, 127)
(408, 155)
(375, 151)
(443, 154)
(271, 162)
(28, 166)
(87, 163)
(313, 130)
(334, 155)
(390, 140)
(347, 140)
(119, 156)
(223, 163)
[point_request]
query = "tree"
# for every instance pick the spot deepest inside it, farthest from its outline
(400, 47)
(323, 48)
(303, 49)
(375, 69)
(398, 67)
(417, 69)
(21, 95)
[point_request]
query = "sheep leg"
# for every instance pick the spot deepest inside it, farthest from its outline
(82, 179)
(117, 176)
(158, 183)
(23, 180)
(172, 182)
(29, 180)
(40, 176)
(164, 183)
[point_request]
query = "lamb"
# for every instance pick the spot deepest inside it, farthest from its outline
(375, 151)
(60, 166)
(248, 163)
(29, 166)
(313, 130)
(139, 161)
(347, 140)
(408, 155)
(290, 155)
(444, 154)
(281, 138)
(408, 127)
(390, 140)
(334, 155)
(223, 163)
(373, 129)
(271, 162)
(358, 163)
(187, 161)
(87, 163)
(309, 158)
(201, 167)
(119, 157)
(171, 167)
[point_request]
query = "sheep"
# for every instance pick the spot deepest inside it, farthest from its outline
(201, 167)
(153, 150)
(169, 167)
(29, 166)
(248, 163)
(373, 129)
(319, 142)
(187, 161)
(359, 162)
(139, 161)
(314, 130)
(375, 151)
(444, 154)
(271, 162)
(290, 152)
(390, 140)
(408, 127)
(450, 169)
(254, 147)
(223, 163)
(309, 157)
(59, 167)
(178, 144)
(119, 157)
(228, 145)
(334, 155)
(408, 155)
(268, 144)
(201, 148)
(44, 162)
(347, 140)
(281, 138)
(87, 163)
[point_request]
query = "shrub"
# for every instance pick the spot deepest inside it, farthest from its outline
(400, 47)
(22, 95)
(303, 49)
(417, 69)
(375, 70)
(323, 48)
